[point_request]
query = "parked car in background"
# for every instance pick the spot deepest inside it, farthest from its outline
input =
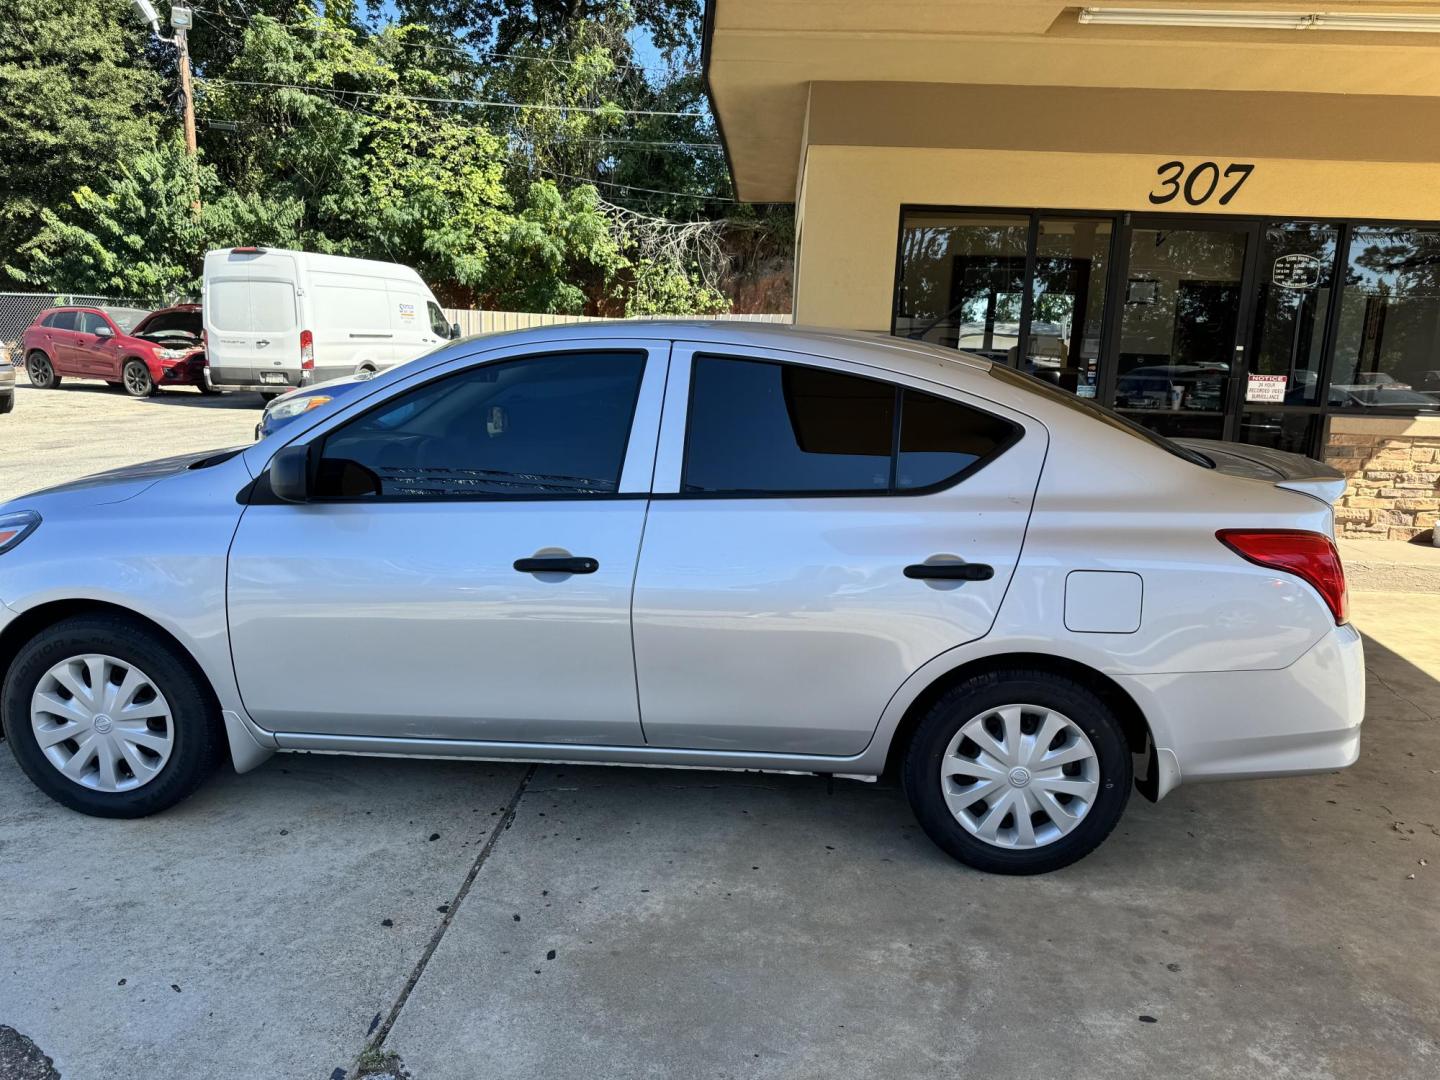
(139, 351)
(278, 319)
(7, 387)
(289, 407)
(692, 544)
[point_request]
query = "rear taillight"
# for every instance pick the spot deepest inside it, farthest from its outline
(1310, 556)
(307, 350)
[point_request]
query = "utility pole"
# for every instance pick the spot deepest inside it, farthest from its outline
(180, 21)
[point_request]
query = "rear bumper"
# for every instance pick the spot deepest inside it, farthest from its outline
(247, 381)
(1232, 725)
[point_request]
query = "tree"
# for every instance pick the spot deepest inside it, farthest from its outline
(140, 234)
(78, 98)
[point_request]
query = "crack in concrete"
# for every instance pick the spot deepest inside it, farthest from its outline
(1396, 693)
(501, 826)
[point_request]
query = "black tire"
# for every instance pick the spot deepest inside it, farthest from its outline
(114, 385)
(972, 698)
(197, 747)
(268, 396)
(135, 378)
(41, 371)
(7, 404)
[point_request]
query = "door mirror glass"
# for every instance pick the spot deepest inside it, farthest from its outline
(454, 330)
(290, 474)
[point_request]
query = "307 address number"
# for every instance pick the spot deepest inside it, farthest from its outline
(1199, 184)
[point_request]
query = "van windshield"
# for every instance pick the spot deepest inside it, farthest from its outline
(1023, 381)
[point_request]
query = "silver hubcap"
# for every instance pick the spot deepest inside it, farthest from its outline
(1020, 776)
(137, 378)
(102, 723)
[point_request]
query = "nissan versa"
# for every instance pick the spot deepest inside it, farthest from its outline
(712, 545)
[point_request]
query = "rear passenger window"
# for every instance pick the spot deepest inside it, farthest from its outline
(940, 439)
(765, 428)
(61, 320)
(770, 428)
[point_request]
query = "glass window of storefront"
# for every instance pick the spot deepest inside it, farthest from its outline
(1204, 327)
(1387, 346)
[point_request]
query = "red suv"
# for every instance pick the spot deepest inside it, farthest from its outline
(140, 351)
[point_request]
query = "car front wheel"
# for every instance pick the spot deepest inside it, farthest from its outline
(136, 379)
(1018, 772)
(41, 371)
(107, 718)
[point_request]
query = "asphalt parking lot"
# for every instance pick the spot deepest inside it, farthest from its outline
(503, 921)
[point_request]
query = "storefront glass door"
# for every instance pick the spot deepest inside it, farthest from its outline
(1181, 321)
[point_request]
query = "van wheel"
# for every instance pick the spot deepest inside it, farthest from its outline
(137, 380)
(108, 718)
(41, 371)
(1018, 772)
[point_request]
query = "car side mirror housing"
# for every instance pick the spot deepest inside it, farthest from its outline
(104, 331)
(454, 330)
(290, 474)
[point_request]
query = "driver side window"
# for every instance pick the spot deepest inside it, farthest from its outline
(438, 325)
(551, 425)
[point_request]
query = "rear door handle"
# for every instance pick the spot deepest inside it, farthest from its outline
(557, 564)
(951, 571)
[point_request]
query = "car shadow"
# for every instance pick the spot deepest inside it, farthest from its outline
(181, 396)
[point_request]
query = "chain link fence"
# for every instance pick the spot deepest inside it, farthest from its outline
(18, 310)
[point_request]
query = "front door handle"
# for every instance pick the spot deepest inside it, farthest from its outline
(557, 564)
(951, 571)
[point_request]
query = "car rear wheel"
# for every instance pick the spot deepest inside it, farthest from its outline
(268, 396)
(136, 379)
(108, 718)
(1018, 772)
(41, 371)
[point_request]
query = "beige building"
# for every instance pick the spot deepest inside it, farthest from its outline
(1221, 217)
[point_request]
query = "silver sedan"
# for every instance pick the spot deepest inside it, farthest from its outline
(705, 545)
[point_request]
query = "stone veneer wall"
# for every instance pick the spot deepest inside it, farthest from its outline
(1393, 465)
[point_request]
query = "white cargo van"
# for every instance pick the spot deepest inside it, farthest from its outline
(277, 319)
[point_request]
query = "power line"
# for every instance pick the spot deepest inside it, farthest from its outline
(453, 101)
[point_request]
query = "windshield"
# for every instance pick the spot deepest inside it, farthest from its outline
(125, 318)
(1023, 381)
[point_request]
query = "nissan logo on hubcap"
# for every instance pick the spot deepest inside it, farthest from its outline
(103, 724)
(1019, 776)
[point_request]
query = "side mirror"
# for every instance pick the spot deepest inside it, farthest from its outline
(454, 330)
(290, 474)
(104, 331)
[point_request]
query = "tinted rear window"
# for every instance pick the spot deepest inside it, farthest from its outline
(61, 320)
(766, 428)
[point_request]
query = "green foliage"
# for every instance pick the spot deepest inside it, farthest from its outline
(143, 235)
(655, 289)
(367, 139)
(78, 96)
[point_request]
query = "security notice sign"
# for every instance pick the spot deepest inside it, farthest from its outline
(1266, 389)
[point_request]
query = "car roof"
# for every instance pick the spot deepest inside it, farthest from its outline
(898, 354)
